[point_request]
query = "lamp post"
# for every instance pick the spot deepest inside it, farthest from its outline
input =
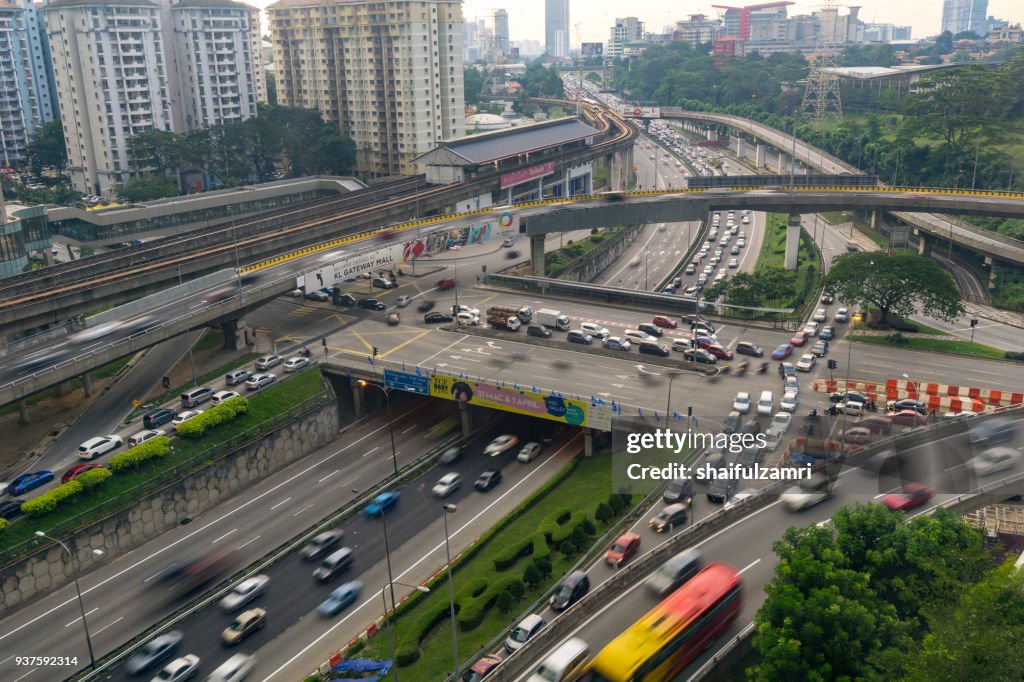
(391, 428)
(846, 392)
(668, 403)
(234, 241)
(191, 360)
(387, 619)
(917, 391)
(78, 591)
(450, 509)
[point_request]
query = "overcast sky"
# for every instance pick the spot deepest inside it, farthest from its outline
(526, 17)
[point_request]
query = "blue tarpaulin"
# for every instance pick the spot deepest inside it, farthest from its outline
(363, 666)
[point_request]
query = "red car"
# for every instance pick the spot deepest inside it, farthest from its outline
(446, 284)
(77, 470)
(799, 339)
(622, 549)
(481, 669)
(720, 352)
(666, 322)
(907, 418)
(912, 495)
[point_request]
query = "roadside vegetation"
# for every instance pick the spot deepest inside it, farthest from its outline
(558, 261)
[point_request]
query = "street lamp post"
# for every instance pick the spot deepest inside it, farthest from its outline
(191, 360)
(391, 428)
(78, 591)
(387, 619)
(450, 509)
(668, 403)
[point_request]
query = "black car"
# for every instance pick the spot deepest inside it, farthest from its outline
(570, 591)
(372, 304)
(721, 490)
(679, 490)
(748, 348)
(436, 318)
(827, 299)
(344, 299)
(653, 330)
(750, 456)
(731, 424)
(538, 330)
(853, 396)
(576, 336)
(700, 356)
(910, 404)
(425, 306)
(649, 348)
(488, 479)
(10, 510)
(157, 418)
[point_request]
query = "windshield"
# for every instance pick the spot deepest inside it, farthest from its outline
(163, 675)
(519, 635)
(675, 486)
(565, 591)
(619, 548)
(546, 673)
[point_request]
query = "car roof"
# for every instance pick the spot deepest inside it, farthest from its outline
(95, 440)
(530, 621)
(449, 477)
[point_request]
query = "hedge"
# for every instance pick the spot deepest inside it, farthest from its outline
(552, 531)
(226, 411)
(93, 477)
(3, 524)
(141, 453)
(48, 501)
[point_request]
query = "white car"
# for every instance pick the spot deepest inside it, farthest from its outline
(851, 408)
(221, 397)
(994, 459)
(403, 301)
(185, 416)
(742, 403)
(708, 269)
(595, 329)
(792, 385)
(806, 362)
(797, 498)
(143, 436)
(268, 361)
(296, 363)
(811, 329)
(637, 335)
(467, 318)
(528, 453)
(741, 242)
(820, 315)
(734, 263)
(617, 343)
(94, 447)
(745, 220)
(843, 315)
(501, 444)
(244, 592)
(258, 381)
(739, 497)
(448, 484)
(788, 402)
(780, 422)
(475, 312)
(179, 669)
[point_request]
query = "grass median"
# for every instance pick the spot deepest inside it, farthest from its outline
(956, 347)
(527, 552)
(267, 409)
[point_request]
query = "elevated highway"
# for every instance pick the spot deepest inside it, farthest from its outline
(943, 227)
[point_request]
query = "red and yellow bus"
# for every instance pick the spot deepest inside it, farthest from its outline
(659, 645)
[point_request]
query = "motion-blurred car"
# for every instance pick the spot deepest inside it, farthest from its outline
(243, 625)
(454, 452)
(828, 332)
(448, 484)
(154, 652)
(384, 502)
(370, 304)
(993, 460)
(820, 315)
(501, 444)
(100, 445)
(782, 351)
(403, 301)
(807, 494)
(425, 306)
(26, 482)
(487, 480)
(317, 296)
(321, 544)
(799, 339)
(244, 592)
(912, 495)
(184, 668)
(444, 284)
(340, 598)
(622, 549)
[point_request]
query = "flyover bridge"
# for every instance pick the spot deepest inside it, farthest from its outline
(944, 227)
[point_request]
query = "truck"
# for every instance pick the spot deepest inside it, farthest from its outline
(502, 317)
(552, 319)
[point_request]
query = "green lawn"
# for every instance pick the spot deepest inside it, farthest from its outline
(266, 409)
(836, 217)
(587, 485)
(773, 255)
(957, 347)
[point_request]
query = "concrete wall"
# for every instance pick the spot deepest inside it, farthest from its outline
(124, 531)
(593, 263)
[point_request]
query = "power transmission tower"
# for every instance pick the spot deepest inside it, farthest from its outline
(822, 99)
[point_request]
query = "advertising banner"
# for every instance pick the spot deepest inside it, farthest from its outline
(525, 174)
(529, 403)
(637, 111)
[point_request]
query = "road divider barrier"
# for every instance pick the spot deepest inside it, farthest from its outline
(934, 396)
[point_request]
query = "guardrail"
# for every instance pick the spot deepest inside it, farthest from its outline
(546, 286)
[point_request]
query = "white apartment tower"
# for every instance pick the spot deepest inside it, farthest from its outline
(25, 101)
(388, 73)
(123, 67)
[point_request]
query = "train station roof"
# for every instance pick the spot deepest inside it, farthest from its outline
(495, 146)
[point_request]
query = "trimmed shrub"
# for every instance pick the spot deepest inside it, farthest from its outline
(568, 548)
(579, 537)
(616, 503)
(504, 602)
(359, 645)
(588, 527)
(532, 576)
(1014, 355)
(517, 589)
(473, 602)
(508, 558)
(604, 513)
(48, 501)
(543, 566)
(226, 411)
(141, 453)
(3, 525)
(93, 477)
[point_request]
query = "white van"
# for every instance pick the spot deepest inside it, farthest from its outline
(565, 663)
(765, 404)
(234, 669)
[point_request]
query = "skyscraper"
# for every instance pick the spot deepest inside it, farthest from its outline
(556, 28)
(25, 93)
(959, 16)
(391, 81)
(123, 67)
(501, 44)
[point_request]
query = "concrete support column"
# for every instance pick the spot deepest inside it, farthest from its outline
(782, 165)
(23, 411)
(87, 384)
(877, 220)
(992, 275)
(537, 254)
(62, 388)
(924, 244)
(792, 241)
(712, 135)
(48, 256)
(234, 334)
(588, 442)
(759, 156)
(740, 148)
(467, 419)
(358, 403)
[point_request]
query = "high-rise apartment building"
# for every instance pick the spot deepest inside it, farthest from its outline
(389, 75)
(556, 28)
(122, 67)
(697, 29)
(501, 43)
(25, 92)
(627, 30)
(959, 16)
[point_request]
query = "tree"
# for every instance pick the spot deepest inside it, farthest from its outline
(956, 105)
(472, 84)
(46, 148)
(896, 285)
(147, 188)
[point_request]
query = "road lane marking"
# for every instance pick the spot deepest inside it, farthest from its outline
(328, 476)
(749, 566)
(414, 426)
(427, 359)
(250, 542)
(302, 510)
(107, 626)
(280, 503)
(223, 536)
(87, 614)
(25, 675)
(375, 448)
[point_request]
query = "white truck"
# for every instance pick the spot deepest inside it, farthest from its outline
(553, 319)
(501, 317)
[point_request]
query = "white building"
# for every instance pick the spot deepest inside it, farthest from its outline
(25, 99)
(393, 82)
(627, 30)
(123, 67)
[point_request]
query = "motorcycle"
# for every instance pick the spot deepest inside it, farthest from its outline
(305, 352)
(741, 369)
(763, 369)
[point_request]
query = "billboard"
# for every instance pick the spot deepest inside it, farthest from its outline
(638, 111)
(526, 174)
(552, 407)
(591, 50)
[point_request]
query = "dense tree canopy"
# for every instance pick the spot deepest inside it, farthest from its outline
(895, 285)
(46, 147)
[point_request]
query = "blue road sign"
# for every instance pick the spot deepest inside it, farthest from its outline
(403, 381)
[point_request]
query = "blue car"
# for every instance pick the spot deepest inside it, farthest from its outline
(782, 352)
(340, 598)
(22, 484)
(382, 503)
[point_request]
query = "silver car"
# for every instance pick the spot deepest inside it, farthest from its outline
(244, 592)
(448, 484)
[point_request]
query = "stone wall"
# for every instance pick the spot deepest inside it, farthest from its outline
(164, 509)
